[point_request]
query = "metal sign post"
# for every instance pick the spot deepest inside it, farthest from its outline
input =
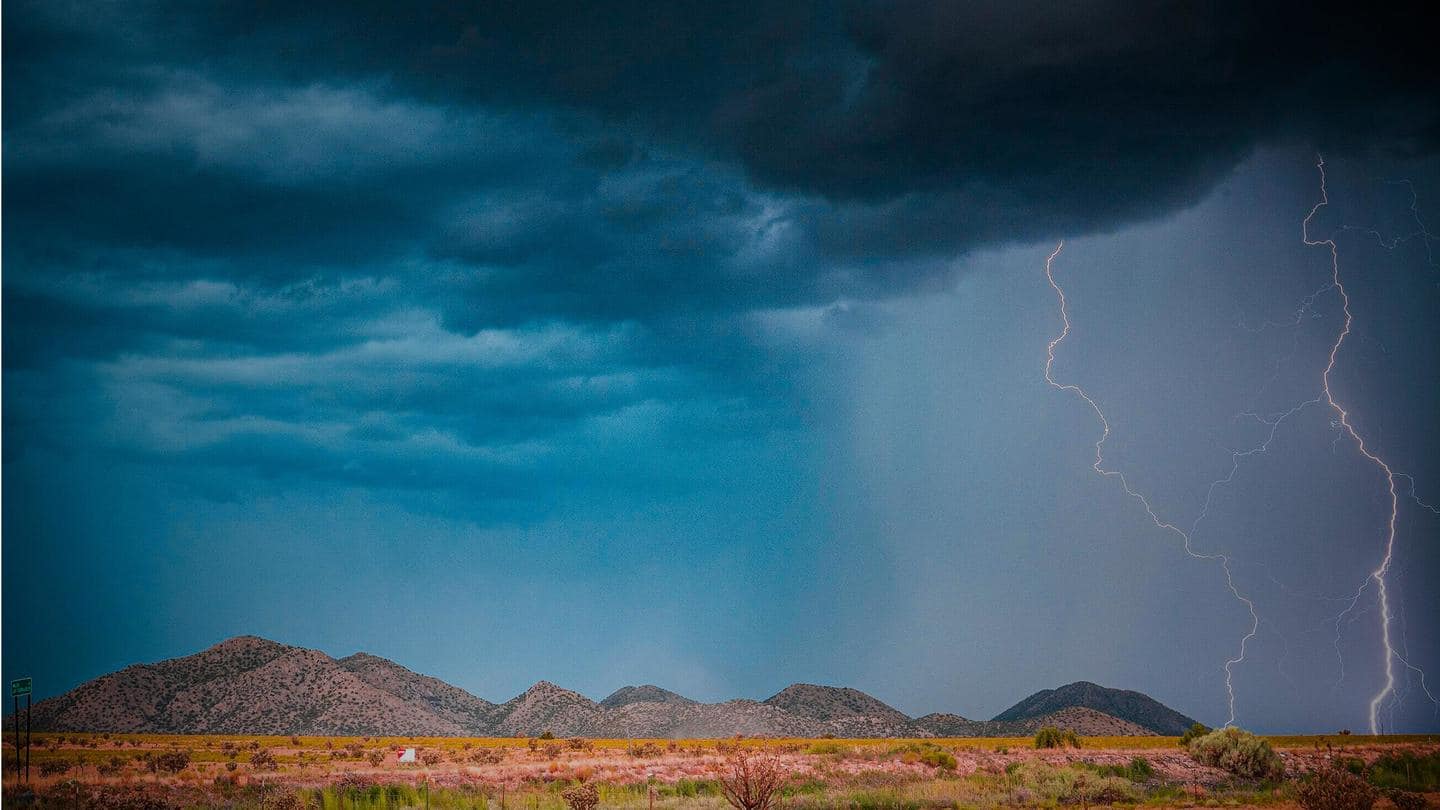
(18, 687)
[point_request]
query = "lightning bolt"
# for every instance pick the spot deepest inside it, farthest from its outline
(1378, 575)
(1421, 232)
(1165, 525)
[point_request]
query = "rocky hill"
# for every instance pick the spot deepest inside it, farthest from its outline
(648, 693)
(1134, 707)
(249, 685)
(245, 685)
(447, 702)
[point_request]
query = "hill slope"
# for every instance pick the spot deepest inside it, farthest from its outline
(1134, 707)
(248, 685)
(648, 693)
(447, 702)
(245, 685)
(842, 711)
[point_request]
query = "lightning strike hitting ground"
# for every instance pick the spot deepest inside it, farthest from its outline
(1099, 467)
(1343, 420)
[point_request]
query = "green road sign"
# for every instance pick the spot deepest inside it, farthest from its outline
(19, 687)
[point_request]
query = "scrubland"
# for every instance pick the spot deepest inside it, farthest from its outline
(155, 771)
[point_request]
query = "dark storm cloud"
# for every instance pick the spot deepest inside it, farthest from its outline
(1005, 123)
(278, 186)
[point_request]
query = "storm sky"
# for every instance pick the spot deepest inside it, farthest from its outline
(703, 345)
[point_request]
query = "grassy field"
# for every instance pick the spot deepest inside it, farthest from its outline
(289, 773)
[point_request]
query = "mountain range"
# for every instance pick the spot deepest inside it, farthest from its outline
(250, 685)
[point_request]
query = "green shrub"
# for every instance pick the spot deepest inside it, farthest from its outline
(927, 753)
(1033, 783)
(1138, 770)
(1407, 771)
(1238, 752)
(1051, 737)
(1335, 788)
(1197, 730)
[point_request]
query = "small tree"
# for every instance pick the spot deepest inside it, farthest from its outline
(749, 779)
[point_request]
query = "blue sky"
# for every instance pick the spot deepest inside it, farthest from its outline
(627, 348)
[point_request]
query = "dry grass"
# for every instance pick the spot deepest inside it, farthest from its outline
(470, 772)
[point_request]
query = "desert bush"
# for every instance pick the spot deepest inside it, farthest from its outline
(55, 767)
(648, 749)
(168, 762)
(1407, 771)
(487, 756)
(576, 743)
(285, 800)
(1051, 737)
(295, 742)
(547, 734)
(533, 744)
(172, 761)
(928, 754)
(1195, 731)
(232, 766)
(749, 780)
(376, 758)
(1335, 788)
(111, 766)
(123, 798)
(1238, 752)
(581, 797)
(263, 760)
(431, 758)
(1405, 799)
(1138, 770)
(1042, 783)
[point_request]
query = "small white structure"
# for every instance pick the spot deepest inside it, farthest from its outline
(406, 755)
